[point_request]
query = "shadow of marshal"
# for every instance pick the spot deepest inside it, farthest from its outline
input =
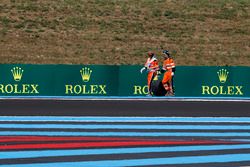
(19, 89)
(85, 89)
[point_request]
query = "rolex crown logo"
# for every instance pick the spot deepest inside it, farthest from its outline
(222, 74)
(17, 73)
(85, 73)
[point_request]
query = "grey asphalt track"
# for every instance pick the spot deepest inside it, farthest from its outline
(129, 108)
(124, 107)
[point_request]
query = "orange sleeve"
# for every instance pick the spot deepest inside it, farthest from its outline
(155, 64)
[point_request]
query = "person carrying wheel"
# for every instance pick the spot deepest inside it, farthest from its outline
(152, 67)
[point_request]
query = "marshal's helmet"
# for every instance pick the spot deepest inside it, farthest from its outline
(166, 52)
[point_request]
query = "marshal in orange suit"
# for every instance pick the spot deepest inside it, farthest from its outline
(168, 68)
(152, 67)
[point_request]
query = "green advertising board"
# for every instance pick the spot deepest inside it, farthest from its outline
(26, 80)
(58, 80)
(192, 81)
(213, 81)
(132, 82)
(98, 80)
(125, 80)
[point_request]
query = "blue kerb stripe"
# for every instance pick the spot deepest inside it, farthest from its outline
(150, 161)
(126, 119)
(134, 134)
(113, 126)
(51, 153)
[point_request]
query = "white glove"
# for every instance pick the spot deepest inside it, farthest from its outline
(142, 69)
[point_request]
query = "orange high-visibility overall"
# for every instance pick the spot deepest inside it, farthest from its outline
(168, 64)
(152, 68)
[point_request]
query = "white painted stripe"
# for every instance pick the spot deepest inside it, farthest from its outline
(131, 98)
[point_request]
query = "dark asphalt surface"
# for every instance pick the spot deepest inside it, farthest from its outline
(47, 107)
(130, 108)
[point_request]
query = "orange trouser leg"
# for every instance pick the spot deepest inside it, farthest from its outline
(166, 81)
(150, 78)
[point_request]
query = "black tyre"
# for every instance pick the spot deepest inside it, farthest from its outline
(158, 89)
